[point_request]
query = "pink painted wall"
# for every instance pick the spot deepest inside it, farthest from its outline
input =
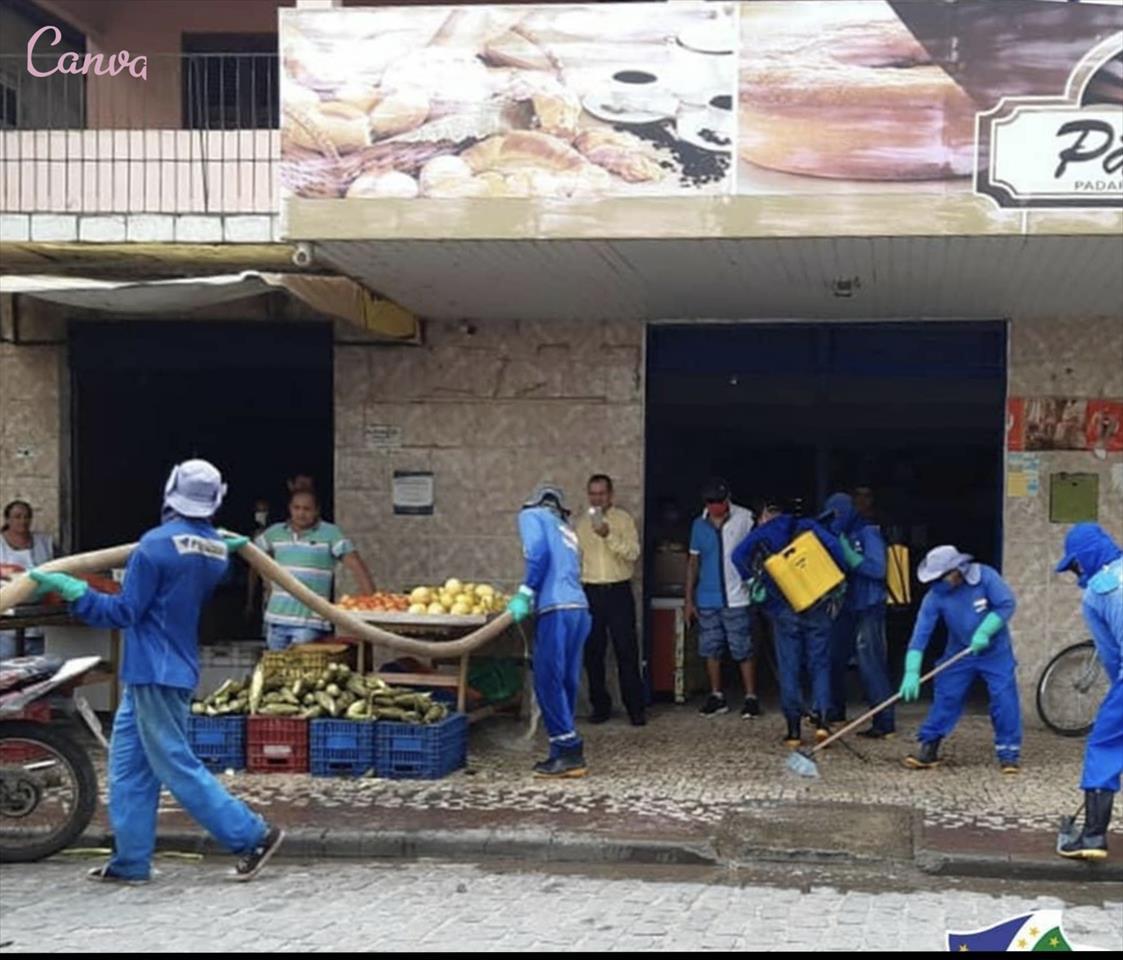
(154, 28)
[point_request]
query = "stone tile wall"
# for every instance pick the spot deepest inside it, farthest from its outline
(1066, 358)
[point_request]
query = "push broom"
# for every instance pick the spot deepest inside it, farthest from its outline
(803, 761)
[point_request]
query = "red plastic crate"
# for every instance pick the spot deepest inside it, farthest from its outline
(20, 753)
(276, 745)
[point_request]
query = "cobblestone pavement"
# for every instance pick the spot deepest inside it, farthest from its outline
(689, 769)
(430, 906)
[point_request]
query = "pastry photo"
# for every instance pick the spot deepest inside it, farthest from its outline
(556, 102)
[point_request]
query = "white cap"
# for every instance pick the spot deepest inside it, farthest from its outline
(194, 489)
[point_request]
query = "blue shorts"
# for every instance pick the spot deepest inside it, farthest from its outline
(725, 628)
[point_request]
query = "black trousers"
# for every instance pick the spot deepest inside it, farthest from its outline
(614, 615)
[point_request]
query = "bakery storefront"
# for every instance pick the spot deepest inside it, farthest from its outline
(807, 245)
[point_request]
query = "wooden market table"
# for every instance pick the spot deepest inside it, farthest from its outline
(25, 616)
(436, 627)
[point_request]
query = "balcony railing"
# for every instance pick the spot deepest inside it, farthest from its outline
(198, 135)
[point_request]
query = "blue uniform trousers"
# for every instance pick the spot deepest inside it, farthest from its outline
(559, 646)
(996, 667)
(803, 639)
(149, 747)
(1103, 754)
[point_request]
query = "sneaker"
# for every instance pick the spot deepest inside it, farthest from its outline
(792, 737)
(1008, 766)
(103, 874)
(874, 734)
(249, 866)
(751, 708)
(640, 720)
(715, 704)
(598, 718)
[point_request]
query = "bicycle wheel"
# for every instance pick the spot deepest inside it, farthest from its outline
(1071, 689)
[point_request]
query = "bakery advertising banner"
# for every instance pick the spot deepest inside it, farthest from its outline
(1019, 102)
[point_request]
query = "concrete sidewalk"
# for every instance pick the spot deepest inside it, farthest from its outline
(688, 789)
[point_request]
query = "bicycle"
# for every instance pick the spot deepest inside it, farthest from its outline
(1071, 688)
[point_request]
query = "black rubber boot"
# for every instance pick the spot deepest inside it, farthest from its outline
(569, 763)
(792, 738)
(926, 757)
(1092, 842)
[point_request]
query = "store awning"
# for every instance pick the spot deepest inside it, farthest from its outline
(332, 296)
(844, 278)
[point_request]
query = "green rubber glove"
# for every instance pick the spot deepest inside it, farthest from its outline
(991, 624)
(853, 557)
(910, 686)
(757, 591)
(520, 605)
(69, 588)
(234, 543)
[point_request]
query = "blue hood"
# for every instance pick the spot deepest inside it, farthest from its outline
(1090, 546)
(839, 514)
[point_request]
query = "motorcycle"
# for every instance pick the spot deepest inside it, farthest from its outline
(48, 785)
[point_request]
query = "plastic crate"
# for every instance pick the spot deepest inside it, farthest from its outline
(412, 751)
(341, 748)
(276, 745)
(20, 753)
(304, 658)
(220, 742)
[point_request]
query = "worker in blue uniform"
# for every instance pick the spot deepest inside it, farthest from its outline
(552, 587)
(1097, 561)
(169, 577)
(976, 605)
(860, 626)
(801, 639)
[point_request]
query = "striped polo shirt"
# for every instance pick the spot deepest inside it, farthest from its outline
(310, 556)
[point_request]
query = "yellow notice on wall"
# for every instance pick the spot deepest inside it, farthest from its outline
(1017, 485)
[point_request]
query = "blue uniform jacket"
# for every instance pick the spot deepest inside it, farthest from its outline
(1103, 612)
(865, 584)
(772, 537)
(169, 577)
(963, 608)
(553, 560)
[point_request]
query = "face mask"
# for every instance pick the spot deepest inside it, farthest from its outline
(261, 517)
(944, 586)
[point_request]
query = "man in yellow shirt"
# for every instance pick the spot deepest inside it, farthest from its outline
(609, 550)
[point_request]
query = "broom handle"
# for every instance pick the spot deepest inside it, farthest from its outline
(888, 703)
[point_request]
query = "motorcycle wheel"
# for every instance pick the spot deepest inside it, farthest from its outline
(48, 791)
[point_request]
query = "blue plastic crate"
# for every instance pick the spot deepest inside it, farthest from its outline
(340, 748)
(220, 742)
(411, 751)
